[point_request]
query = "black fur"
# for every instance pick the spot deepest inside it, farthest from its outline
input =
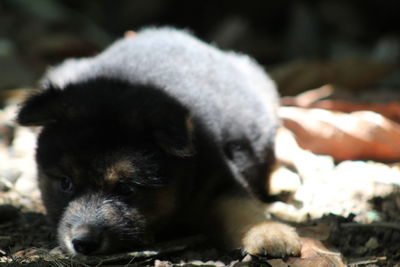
(185, 113)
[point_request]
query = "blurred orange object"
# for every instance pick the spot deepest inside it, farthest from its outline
(361, 135)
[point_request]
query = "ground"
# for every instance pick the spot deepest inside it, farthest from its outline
(347, 212)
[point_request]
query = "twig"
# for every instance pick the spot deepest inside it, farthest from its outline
(367, 261)
(392, 226)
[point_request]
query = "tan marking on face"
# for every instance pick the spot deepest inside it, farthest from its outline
(119, 169)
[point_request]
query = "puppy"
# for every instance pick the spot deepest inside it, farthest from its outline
(159, 133)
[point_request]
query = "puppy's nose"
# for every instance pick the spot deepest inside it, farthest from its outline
(86, 240)
(86, 245)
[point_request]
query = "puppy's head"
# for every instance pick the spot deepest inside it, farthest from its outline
(108, 157)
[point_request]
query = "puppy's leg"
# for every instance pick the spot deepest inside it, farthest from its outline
(245, 226)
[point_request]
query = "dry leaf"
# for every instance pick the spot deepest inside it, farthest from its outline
(309, 97)
(313, 99)
(362, 135)
(313, 253)
(390, 110)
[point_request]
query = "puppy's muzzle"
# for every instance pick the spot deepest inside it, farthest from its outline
(95, 224)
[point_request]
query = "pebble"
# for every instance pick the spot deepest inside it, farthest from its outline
(158, 263)
(372, 243)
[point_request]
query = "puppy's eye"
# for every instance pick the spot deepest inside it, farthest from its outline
(66, 184)
(125, 190)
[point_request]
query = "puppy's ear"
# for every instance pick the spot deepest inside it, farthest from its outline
(170, 123)
(41, 108)
(173, 131)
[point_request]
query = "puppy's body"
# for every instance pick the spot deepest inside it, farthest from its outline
(158, 130)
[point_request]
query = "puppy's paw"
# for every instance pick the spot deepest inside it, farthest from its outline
(272, 239)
